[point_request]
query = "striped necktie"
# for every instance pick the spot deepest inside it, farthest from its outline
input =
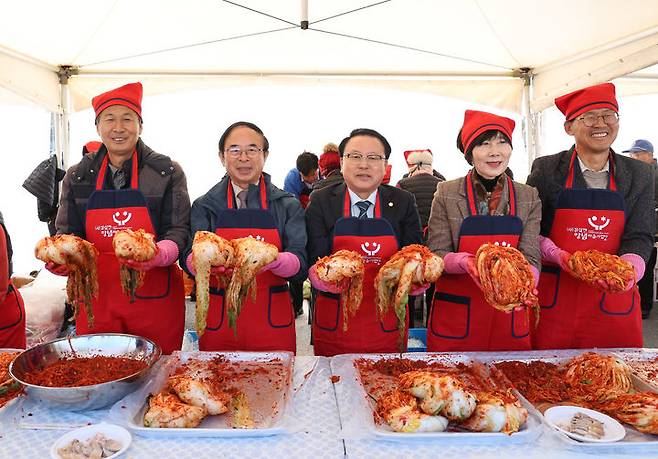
(363, 209)
(119, 179)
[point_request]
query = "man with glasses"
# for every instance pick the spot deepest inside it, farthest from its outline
(245, 203)
(371, 219)
(592, 198)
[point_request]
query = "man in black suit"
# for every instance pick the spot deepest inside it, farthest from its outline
(371, 219)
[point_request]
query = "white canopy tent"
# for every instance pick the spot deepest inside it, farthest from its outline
(516, 55)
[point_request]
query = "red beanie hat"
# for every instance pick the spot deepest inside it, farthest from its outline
(91, 147)
(329, 159)
(476, 123)
(586, 99)
(413, 157)
(129, 95)
(387, 174)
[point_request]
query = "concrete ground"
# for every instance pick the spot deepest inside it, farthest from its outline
(303, 329)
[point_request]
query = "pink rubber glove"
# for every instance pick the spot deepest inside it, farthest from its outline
(455, 262)
(535, 276)
(216, 270)
(166, 255)
(472, 271)
(59, 270)
(418, 289)
(553, 254)
(638, 266)
(320, 285)
(286, 265)
(462, 263)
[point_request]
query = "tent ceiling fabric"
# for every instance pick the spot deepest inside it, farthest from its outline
(467, 48)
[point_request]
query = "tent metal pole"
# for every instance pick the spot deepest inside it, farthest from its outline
(530, 125)
(304, 21)
(63, 132)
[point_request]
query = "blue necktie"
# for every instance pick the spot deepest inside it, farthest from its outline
(363, 209)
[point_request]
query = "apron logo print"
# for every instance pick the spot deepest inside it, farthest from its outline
(116, 216)
(258, 237)
(369, 249)
(594, 222)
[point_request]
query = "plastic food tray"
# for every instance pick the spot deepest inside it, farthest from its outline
(633, 437)
(268, 397)
(356, 408)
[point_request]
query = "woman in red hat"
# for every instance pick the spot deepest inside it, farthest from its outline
(485, 206)
(592, 198)
(126, 185)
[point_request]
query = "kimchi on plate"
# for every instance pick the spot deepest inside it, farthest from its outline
(213, 392)
(437, 395)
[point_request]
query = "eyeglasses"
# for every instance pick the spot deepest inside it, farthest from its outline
(251, 151)
(609, 119)
(372, 159)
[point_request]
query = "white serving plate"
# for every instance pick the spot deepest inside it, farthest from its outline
(559, 417)
(356, 409)
(86, 433)
(215, 426)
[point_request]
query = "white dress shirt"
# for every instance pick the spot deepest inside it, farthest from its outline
(354, 199)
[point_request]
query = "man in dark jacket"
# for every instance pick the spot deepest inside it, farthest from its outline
(126, 185)
(642, 150)
(421, 181)
(592, 199)
(245, 203)
(371, 219)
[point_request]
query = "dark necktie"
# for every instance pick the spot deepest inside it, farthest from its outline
(363, 209)
(119, 179)
(242, 196)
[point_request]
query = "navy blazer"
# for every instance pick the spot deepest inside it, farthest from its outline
(634, 180)
(327, 205)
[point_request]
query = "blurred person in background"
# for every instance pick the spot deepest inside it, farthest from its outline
(642, 150)
(421, 181)
(12, 310)
(299, 182)
(329, 167)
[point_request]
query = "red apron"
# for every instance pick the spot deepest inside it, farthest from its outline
(158, 312)
(461, 319)
(267, 324)
(12, 320)
(12, 310)
(573, 314)
(375, 240)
